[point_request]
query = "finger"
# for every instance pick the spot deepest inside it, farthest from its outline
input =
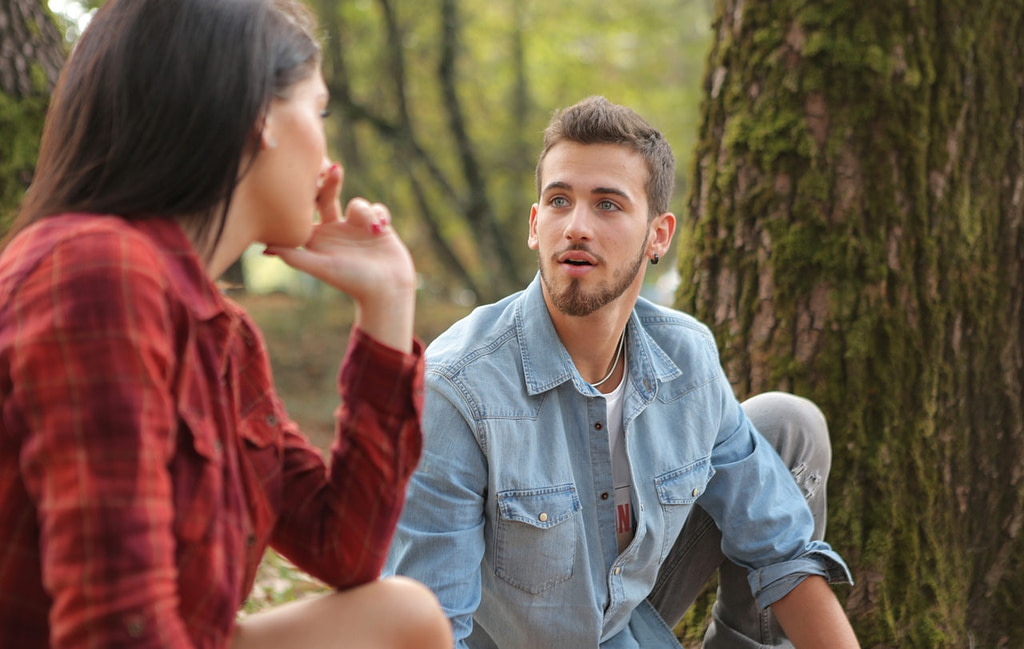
(381, 219)
(359, 213)
(297, 258)
(328, 201)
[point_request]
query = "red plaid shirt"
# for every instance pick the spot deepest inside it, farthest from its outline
(146, 461)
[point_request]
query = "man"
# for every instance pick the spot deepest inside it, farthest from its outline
(583, 447)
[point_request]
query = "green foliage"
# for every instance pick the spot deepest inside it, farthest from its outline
(21, 122)
(515, 62)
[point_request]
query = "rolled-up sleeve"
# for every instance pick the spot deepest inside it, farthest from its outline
(772, 583)
(766, 524)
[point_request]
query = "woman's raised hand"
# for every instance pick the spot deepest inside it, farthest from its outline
(360, 254)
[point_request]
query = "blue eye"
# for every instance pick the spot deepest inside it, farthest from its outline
(559, 201)
(325, 113)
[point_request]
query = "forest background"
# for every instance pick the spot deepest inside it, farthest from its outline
(851, 195)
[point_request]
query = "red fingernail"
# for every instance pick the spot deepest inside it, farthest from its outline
(377, 228)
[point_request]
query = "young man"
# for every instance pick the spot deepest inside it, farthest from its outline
(586, 463)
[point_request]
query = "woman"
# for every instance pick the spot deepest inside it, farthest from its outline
(145, 459)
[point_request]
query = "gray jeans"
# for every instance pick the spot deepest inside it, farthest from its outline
(797, 430)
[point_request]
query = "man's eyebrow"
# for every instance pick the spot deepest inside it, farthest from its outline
(597, 191)
(611, 190)
(557, 184)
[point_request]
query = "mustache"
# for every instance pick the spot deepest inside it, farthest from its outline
(576, 247)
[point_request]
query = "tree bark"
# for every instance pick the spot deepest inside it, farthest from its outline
(31, 55)
(857, 236)
(31, 48)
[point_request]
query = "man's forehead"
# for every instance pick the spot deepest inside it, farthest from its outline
(593, 168)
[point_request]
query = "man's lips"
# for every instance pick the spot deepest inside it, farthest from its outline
(576, 258)
(576, 263)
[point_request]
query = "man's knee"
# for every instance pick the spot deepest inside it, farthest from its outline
(797, 429)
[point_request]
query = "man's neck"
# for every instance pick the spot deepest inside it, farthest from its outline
(593, 340)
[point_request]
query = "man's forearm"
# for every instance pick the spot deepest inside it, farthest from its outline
(813, 619)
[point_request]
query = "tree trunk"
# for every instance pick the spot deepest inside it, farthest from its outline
(857, 236)
(31, 56)
(31, 48)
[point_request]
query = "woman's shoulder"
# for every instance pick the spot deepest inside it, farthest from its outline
(75, 252)
(93, 241)
(73, 236)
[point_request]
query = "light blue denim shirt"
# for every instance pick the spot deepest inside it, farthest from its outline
(509, 517)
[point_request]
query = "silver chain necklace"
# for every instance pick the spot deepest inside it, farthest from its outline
(615, 363)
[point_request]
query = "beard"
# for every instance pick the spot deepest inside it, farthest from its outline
(573, 300)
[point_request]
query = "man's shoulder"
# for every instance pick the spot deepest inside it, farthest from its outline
(666, 324)
(477, 335)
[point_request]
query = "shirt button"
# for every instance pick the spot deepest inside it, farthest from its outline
(543, 517)
(135, 625)
(271, 420)
(696, 492)
(604, 496)
(598, 426)
(617, 570)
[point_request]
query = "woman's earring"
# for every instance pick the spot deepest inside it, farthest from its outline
(268, 140)
(655, 259)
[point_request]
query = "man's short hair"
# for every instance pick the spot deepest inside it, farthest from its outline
(595, 120)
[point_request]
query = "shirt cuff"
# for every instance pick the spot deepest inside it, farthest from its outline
(383, 377)
(772, 583)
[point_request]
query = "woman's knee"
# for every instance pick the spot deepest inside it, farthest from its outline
(417, 612)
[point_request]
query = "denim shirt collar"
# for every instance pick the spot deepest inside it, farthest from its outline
(547, 364)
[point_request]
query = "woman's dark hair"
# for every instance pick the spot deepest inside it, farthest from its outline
(159, 105)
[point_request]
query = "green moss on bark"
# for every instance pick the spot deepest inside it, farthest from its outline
(21, 123)
(857, 172)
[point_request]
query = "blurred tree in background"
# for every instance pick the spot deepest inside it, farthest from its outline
(441, 105)
(858, 237)
(31, 54)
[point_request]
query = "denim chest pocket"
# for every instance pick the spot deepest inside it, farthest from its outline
(677, 491)
(535, 537)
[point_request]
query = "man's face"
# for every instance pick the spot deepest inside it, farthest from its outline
(590, 225)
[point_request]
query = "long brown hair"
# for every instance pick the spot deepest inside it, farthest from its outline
(159, 104)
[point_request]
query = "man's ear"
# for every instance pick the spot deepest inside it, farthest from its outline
(663, 226)
(531, 240)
